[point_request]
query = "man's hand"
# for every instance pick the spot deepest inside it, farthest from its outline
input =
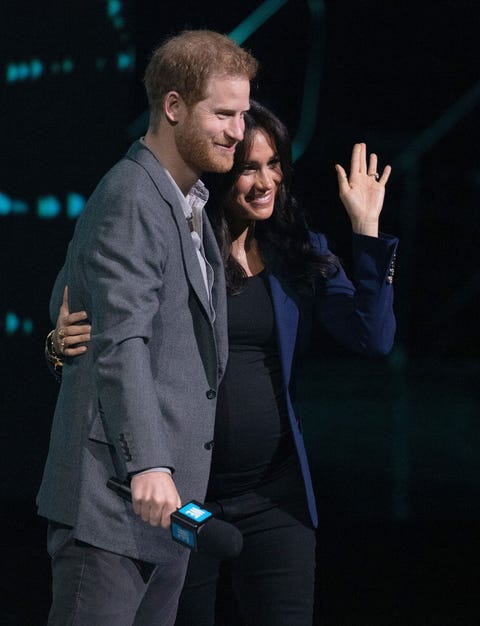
(155, 497)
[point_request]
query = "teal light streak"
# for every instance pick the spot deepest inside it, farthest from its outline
(36, 68)
(311, 88)
(12, 73)
(27, 327)
(255, 20)
(48, 207)
(430, 136)
(9, 205)
(114, 7)
(5, 204)
(23, 71)
(12, 323)
(75, 204)
(125, 60)
(67, 65)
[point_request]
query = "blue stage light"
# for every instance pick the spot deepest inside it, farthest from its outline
(12, 73)
(75, 204)
(114, 7)
(48, 207)
(125, 60)
(12, 323)
(36, 68)
(27, 327)
(5, 204)
(67, 65)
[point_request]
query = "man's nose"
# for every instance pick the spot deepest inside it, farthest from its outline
(236, 128)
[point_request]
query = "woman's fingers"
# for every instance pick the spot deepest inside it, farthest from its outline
(73, 318)
(70, 335)
(355, 163)
(75, 351)
(65, 299)
(70, 343)
(372, 165)
(343, 184)
(385, 175)
(71, 340)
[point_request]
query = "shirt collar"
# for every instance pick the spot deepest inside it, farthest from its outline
(192, 204)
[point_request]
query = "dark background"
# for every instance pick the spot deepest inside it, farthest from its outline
(393, 443)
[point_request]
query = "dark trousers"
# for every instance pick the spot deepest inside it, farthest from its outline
(271, 582)
(93, 587)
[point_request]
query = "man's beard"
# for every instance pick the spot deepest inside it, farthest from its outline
(198, 151)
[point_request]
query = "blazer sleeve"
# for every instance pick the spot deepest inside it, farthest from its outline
(121, 269)
(359, 314)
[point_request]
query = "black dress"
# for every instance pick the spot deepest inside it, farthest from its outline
(255, 484)
(253, 438)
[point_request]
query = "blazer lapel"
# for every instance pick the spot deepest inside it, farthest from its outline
(219, 291)
(142, 155)
(190, 259)
(286, 318)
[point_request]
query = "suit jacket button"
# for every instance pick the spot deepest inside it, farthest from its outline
(211, 394)
(209, 445)
(128, 457)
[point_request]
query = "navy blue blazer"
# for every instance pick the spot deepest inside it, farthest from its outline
(359, 315)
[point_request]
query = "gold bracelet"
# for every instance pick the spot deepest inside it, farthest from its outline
(51, 355)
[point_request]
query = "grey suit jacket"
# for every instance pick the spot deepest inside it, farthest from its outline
(143, 395)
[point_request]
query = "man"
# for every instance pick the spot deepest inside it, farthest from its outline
(140, 403)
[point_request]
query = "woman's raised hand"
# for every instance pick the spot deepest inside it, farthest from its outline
(363, 191)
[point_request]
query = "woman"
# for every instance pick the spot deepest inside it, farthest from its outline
(281, 280)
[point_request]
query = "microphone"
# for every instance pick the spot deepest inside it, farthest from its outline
(194, 526)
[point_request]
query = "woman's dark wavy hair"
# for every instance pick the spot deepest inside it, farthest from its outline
(283, 238)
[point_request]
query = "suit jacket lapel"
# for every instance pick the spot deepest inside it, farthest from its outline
(142, 155)
(190, 259)
(219, 291)
(286, 318)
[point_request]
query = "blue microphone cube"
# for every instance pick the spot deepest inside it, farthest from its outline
(187, 522)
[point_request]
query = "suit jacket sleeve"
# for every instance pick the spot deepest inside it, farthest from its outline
(57, 295)
(360, 314)
(120, 267)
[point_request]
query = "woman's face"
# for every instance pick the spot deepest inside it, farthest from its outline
(253, 195)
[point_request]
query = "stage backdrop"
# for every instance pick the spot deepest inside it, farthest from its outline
(389, 439)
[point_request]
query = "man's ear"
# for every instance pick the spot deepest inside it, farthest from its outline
(173, 106)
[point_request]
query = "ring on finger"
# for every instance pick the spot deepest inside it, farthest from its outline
(61, 337)
(375, 175)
